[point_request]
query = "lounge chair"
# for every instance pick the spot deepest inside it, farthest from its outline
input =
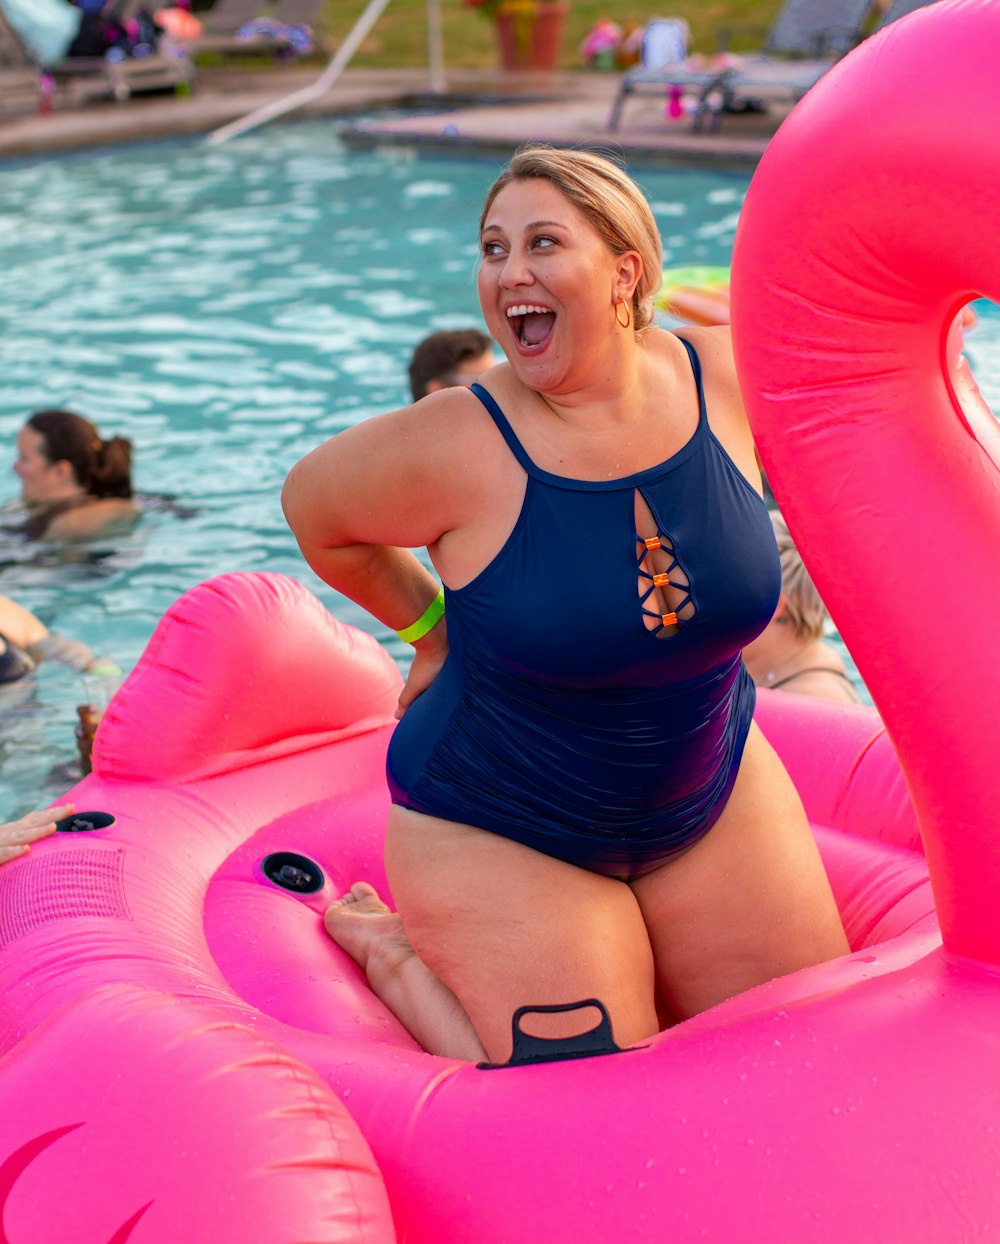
(807, 38)
(17, 58)
(221, 22)
(664, 68)
(817, 29)
(95, 77)
(296, 12)
(20, 90)
(226, 26)
(900, 8)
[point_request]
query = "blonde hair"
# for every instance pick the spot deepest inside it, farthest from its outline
(804, 606)
(608, 198)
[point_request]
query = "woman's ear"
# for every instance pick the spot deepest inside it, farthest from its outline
(64, 472)
(628, 275)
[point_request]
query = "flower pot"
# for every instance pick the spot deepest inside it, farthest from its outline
(535, 43)
(512, 54)
(547, 34)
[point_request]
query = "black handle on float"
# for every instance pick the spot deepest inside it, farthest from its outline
(529, 1049)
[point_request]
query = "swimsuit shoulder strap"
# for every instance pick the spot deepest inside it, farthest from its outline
(816, 669)
(695, 361)
(506, 431)
(518, 450)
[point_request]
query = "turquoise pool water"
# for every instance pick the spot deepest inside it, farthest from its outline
(228, 308)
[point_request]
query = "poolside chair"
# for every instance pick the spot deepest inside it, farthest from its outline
(664, 69)
(225, 17)
(20, 90)
(806, 29)
(17, 58)
(296, 12)
(226, 26)
(81, 78)
(806, 39)
(901, 8)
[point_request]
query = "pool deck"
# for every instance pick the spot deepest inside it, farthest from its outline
(473, 110)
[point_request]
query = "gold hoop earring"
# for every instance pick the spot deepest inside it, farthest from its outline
(627, 322)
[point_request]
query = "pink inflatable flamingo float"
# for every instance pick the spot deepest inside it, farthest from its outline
(184, 1055)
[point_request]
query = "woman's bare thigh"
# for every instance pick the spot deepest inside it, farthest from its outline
(504, 926)
(749, 902)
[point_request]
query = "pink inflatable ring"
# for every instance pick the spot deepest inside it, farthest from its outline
(184, 1053)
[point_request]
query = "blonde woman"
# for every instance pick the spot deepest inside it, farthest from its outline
(582, 806)
(791, 652)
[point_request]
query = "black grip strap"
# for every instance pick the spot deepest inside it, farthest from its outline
(529, 1049)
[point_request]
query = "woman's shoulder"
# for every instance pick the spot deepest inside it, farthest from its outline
(98, 516)
(434, 452)
(714, 347)
(440, 427)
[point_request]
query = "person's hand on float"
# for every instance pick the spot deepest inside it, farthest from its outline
(17, 836)
(429, 655)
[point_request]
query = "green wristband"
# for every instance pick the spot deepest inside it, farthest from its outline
(430, 617)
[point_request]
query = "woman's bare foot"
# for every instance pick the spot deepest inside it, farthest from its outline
(370, 932)
(374, 937)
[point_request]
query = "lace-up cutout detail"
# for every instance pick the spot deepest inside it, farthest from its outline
(664, 588)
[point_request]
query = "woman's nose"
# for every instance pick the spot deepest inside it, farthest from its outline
(516, 271)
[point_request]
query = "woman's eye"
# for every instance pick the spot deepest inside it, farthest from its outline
(543, 240)
(492, 248)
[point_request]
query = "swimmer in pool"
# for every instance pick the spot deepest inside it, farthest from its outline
(76, 485)
(456, 356)
(25, 641)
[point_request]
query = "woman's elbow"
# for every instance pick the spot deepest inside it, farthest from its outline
(291, 496)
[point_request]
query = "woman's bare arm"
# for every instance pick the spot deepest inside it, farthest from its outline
(360, 501)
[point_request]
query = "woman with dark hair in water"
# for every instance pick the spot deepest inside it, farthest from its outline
(76, 485)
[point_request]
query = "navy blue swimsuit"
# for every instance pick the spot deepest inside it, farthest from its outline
(580, 711)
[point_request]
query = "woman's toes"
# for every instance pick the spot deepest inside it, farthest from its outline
(372, 934)
(360, 900)
(366, 898)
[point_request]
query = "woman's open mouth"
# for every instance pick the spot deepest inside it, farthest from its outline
(532, 324)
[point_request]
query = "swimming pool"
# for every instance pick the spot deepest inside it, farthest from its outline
(227, 308)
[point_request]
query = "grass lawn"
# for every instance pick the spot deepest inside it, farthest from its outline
(400, 35)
